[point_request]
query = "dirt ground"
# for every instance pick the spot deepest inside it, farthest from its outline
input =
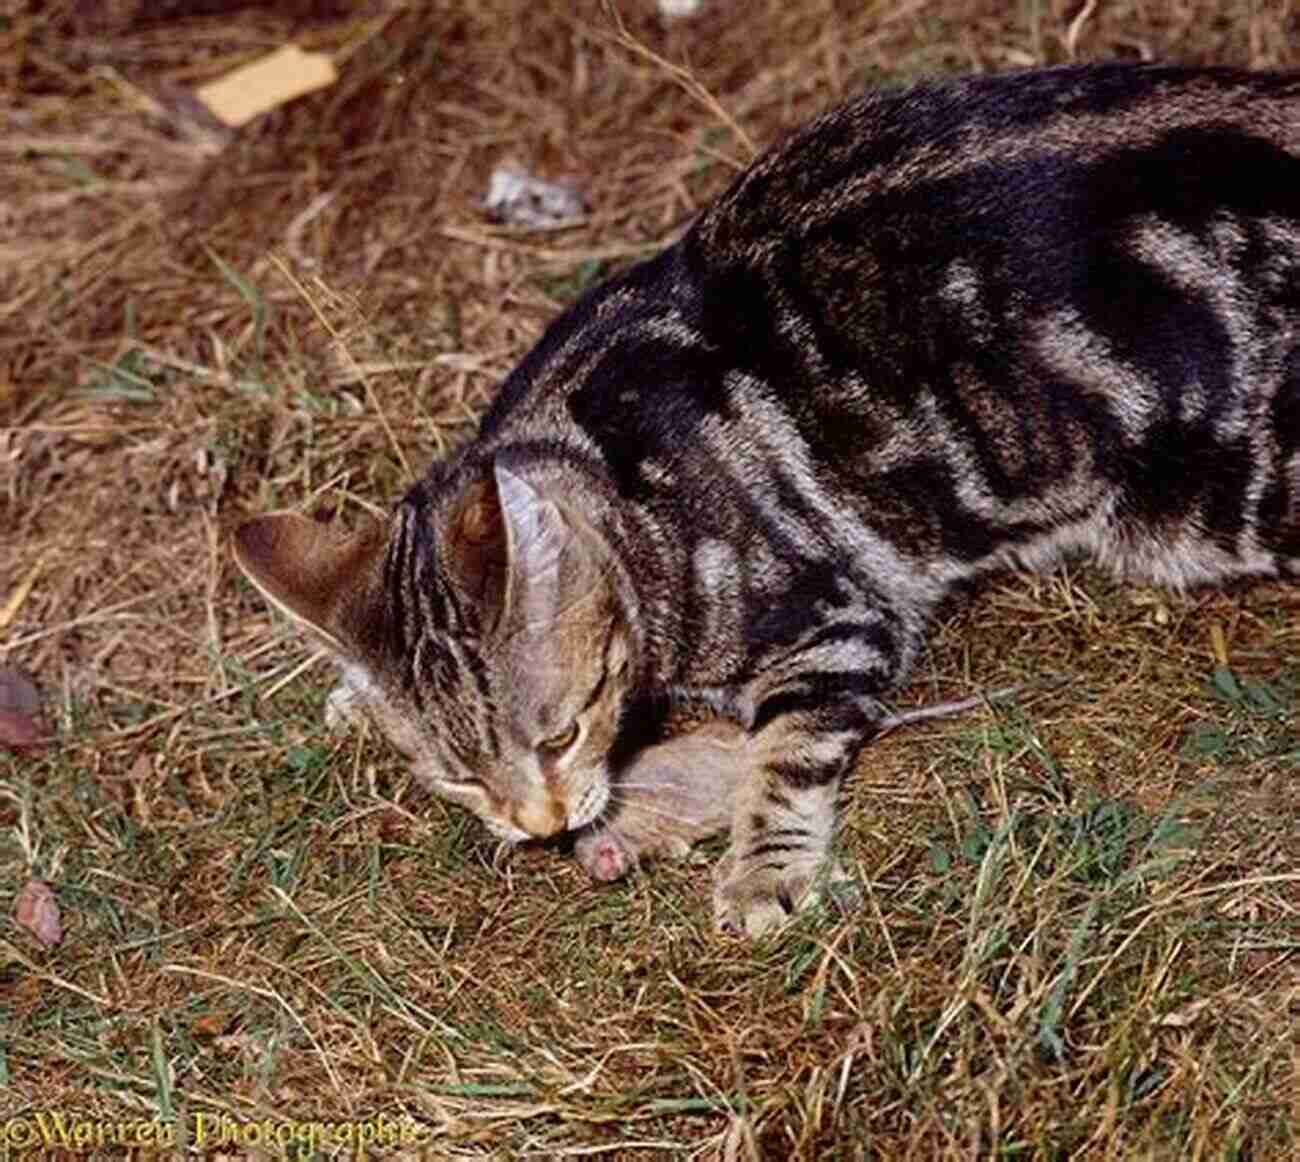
(1081, 928)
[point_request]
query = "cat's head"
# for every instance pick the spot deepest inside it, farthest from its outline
(480, 631)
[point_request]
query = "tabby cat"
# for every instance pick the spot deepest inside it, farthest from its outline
(975, 323)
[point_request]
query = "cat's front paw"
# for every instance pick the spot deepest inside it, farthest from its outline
(342, 710)
(750, 901)
(755, 901)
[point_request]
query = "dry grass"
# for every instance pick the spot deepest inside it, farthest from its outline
(1083, 912)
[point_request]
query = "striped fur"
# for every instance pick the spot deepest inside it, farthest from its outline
(986, 322)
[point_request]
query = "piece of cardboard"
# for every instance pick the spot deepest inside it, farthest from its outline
(256, 88)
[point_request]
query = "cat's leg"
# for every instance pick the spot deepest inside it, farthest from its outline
(784, 821)
(671, 796)
(341, 710)
(345, 707)
(817, 710)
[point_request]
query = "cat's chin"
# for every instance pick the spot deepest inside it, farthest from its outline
(507, 832)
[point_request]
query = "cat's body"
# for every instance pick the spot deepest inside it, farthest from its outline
(935, 332)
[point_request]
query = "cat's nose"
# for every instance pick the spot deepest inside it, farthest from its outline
(541, 817)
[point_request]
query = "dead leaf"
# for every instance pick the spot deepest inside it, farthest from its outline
(37, 910)
(20, 708)
(1218, 643)
(266, 83)
(1183, 1017)
(14, 602)
(17, 730)
(28, 994)
(211, 1024)
(140, 775)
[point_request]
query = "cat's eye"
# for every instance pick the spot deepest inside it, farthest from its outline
(558, 743)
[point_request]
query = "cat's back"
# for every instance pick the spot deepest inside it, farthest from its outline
(872, 248)
(971, 145)
(988, 203)
(988, 309)
(1006, 298)
(966, 316)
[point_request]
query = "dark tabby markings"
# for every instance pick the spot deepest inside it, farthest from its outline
(937, 331)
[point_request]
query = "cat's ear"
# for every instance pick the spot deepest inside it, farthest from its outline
(475, 545)
(539, 538)
(313, 575)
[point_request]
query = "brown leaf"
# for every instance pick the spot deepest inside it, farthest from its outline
(28, 994)
(17, 730)
(37, 910)
(1185, 1016)
(394, 827)
(20, 709)
(14, 602)
(211, 1024)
